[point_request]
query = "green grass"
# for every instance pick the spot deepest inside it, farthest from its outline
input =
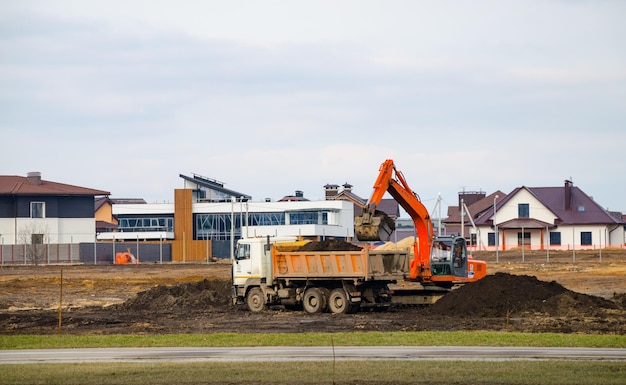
(478, 338)
(326, 372)
(320, 372)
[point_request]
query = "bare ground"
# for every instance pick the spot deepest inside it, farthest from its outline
(535, 292)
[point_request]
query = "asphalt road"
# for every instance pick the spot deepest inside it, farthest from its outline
(315, 353)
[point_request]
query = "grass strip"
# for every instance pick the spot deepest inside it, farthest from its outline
(456, 338)
(343, 372)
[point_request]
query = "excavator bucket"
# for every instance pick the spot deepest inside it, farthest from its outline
(373, 227)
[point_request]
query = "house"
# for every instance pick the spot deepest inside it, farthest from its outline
(34, 211)
(560, 218)
(474, 205)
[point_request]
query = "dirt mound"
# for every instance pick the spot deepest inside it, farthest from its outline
(505, 294)
(330, 245)
(620, 299)
(205, 294)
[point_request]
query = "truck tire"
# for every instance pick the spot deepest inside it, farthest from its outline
(338, 302)
(255, 300)
(314, 301)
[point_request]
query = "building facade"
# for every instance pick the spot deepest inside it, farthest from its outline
(558, 218)
(192, 224)
(33, 210)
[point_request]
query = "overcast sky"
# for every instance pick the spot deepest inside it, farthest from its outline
(270, 97)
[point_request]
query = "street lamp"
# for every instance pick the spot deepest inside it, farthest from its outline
(495, 225)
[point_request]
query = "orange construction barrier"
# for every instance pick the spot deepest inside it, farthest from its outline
(125, 258)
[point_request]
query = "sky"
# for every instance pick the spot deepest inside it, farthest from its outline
(270, 97)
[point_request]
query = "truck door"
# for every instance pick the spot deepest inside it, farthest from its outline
(242, 267)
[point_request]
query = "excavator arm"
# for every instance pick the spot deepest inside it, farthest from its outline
(374, 225)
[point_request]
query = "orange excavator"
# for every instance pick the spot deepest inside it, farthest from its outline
(438, 261)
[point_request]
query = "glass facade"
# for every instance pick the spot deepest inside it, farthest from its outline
(218, 226)
(145, 223)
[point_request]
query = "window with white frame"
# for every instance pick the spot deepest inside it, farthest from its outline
(37, 209)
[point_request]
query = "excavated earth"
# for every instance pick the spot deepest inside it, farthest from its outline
(176, 298)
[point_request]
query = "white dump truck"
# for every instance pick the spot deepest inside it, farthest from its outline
(270, 271)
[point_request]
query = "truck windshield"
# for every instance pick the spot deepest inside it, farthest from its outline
(242, 251)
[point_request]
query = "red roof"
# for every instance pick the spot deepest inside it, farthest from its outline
(21, 185)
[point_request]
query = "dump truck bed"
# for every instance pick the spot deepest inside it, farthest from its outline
(364, 265)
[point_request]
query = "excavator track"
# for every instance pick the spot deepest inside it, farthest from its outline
(416, 295)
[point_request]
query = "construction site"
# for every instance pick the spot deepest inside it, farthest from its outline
(570, 293)
(290, 284)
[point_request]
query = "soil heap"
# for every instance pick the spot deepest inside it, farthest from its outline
(503, 295)
(188, 296)
(330, 245)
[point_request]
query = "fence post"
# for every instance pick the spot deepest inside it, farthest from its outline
(95, 245)
(573, 246)
(600, 239)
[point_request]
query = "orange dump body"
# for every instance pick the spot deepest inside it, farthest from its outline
(364, 265)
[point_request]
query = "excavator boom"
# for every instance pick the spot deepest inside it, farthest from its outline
(439, 261)
(374, 225)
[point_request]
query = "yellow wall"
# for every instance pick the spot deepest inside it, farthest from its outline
(105, 213)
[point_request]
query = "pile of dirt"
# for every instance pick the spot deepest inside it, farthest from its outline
(620, 299)
(205, 294)
(330, 245)
(502, 295)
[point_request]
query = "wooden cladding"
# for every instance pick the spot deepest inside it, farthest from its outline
(184, 247)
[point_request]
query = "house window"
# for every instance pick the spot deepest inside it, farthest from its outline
(491, 239)
(523, 210)
(472, 241)
(555, 238)
(585, 238)
(523, 239)
(37, 209)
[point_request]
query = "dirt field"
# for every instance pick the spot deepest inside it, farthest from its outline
(569, 294)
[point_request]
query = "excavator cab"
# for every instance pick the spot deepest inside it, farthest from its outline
(376, 226)
(448, 257)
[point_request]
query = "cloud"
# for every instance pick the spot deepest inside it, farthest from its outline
(280, 96)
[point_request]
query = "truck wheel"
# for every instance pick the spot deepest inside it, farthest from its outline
(255, 300)
(314, 301)
(338, 301)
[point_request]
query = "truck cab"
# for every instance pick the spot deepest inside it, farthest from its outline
(252, 259)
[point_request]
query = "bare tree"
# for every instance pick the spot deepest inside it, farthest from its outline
(34, 236)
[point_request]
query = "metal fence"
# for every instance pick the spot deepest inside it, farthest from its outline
(95, 253)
